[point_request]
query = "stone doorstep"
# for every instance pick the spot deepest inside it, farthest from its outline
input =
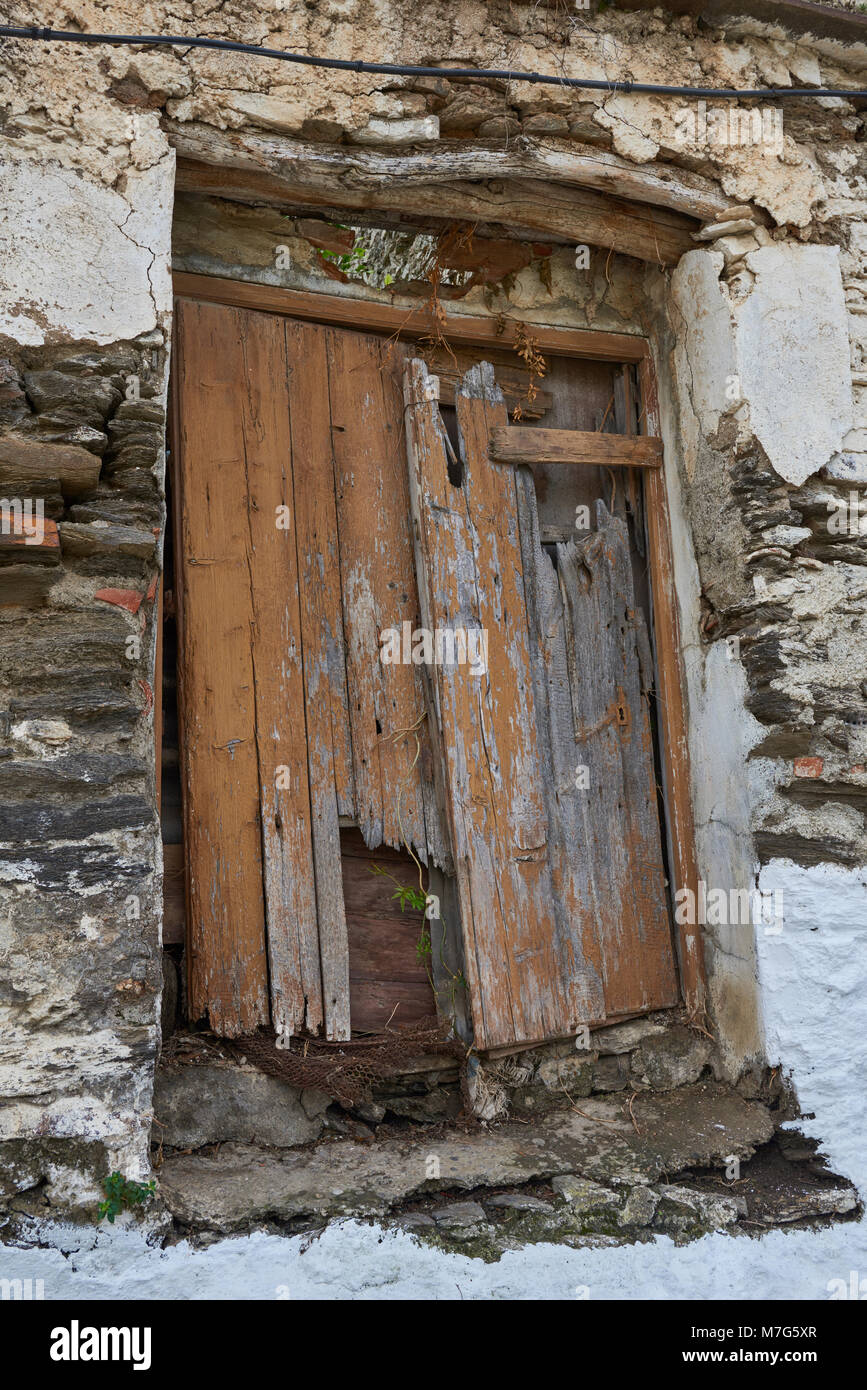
(242, 1185)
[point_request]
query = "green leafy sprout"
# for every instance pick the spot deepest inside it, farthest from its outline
(121, 1193)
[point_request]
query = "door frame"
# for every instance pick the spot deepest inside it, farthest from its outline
(622, 348)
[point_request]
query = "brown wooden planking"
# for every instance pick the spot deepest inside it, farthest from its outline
(387, 980)
(469, 552)
(382, 938)
(574, 880)
(528, 444)
(612, 740)
(377, 1004)
(674, 737)
(226, 918)
(325, 698)
(378, 592)
(262, 397)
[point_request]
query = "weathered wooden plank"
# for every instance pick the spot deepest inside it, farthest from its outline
(674, 736)
(227, 965)
(263, 404)
(529, 444)
(470, 558)
(329, 749)
(319, 553)
(379, 593)
(324, 167)
(612, 740)
(575, 884)
(418, 745)
(542, 210)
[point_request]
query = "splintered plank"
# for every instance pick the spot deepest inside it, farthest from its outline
(329, 748)
(470, 571)
(379, 593)
(228, 976)
(609, 677)
(265, 462)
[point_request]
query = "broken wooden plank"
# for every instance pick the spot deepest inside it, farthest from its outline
(471, 577)
(530, 444)
(174, 906)
(379, 594)
(613, 749)
(228, 975)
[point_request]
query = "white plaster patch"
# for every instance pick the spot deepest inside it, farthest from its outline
(79, 261)
(793, 356)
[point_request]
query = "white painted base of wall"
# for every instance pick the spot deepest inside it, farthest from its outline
(353, 1261)
(814, 1001)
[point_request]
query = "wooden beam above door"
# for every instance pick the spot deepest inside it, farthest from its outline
(248, 169)
(567, 162)
(347, 311)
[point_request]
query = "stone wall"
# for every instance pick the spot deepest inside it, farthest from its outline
(81, 438)
(760, 344)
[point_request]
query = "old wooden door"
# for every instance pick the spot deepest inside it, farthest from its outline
(299, 550)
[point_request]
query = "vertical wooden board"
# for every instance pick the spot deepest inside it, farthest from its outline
(505, 813)
(575, 887)
(319, 551)
(266, 464)
(393, 357)
(613, 741)
(379, 592)
(226, 920)
(329, 748)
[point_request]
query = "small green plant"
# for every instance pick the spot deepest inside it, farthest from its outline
(423, 947)
(350, 262)
(121, 1193)
(406, 896)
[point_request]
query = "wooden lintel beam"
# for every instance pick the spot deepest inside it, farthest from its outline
(526, 444)
(532, 208)
(337, 169)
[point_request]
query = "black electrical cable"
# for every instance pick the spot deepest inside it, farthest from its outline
(404, 70)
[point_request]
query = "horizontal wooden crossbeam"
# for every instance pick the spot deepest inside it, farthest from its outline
(525, 444)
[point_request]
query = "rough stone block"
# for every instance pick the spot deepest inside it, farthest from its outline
(677, 1058)
(209, 1104)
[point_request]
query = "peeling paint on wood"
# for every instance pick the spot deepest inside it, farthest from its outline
(469, 553)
